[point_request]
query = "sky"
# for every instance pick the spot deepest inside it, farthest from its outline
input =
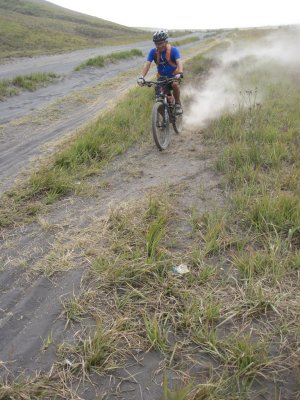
(190, 14)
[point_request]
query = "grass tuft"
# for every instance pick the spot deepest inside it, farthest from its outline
(101, 61)
(30, 82)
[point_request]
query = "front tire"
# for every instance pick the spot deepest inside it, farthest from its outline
(160, 126)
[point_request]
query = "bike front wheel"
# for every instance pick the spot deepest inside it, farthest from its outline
(160, 126)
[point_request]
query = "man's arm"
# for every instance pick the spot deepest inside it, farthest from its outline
(146, 68)
(179, 66)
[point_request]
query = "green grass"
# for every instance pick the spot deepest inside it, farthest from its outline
(158, 217)
(184, 41)
(32, 388)
(29, 82)
(95, 146)
(235, 314)
(108, 137)
(156, 333)
(172, 315)
(101, 61)
(229, 328)
(97, 349)
(34, 27)
(34, 80)
(7, 90)
(73, 309)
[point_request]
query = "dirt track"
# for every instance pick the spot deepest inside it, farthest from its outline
(45, 263)
(33, 119)
(31, 301)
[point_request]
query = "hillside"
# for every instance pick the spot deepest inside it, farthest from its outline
(32, 27)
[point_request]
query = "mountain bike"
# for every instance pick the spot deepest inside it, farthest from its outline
(164, 113)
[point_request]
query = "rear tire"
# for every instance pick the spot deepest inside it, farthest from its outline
(178, 123)
(160, 126)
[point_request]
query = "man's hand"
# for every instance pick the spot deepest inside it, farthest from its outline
(179, 76)
(141, 81)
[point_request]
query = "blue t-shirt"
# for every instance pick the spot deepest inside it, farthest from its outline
(163, 67)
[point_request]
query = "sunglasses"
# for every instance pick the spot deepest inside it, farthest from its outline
(159, 44)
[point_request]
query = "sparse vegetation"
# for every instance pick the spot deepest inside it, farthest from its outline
(101, 61)
(31, 27)
(229, 328)
(199, 64)
(26, 82)
(185, 41)
(253, 239)
(93, 148)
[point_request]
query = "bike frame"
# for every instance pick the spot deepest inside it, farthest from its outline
(165, 95)
(164, 113)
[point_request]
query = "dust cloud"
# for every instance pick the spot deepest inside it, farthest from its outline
(221, 91)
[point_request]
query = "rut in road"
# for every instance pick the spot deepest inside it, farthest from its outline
(24, 143)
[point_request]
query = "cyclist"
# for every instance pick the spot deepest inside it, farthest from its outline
(168, 62)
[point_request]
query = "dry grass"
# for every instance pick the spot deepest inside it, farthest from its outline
(227, 329)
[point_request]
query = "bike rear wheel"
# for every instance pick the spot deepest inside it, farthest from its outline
(160, 126)
(178, 123)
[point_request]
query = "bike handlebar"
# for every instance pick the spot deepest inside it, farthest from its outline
(160, 83)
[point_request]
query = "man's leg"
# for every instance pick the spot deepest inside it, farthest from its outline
(176, 93)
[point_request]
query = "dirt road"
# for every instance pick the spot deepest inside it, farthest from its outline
(42, 264)
(46, 267)
(33, 119)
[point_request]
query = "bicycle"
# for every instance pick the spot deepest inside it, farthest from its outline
(164, 113)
